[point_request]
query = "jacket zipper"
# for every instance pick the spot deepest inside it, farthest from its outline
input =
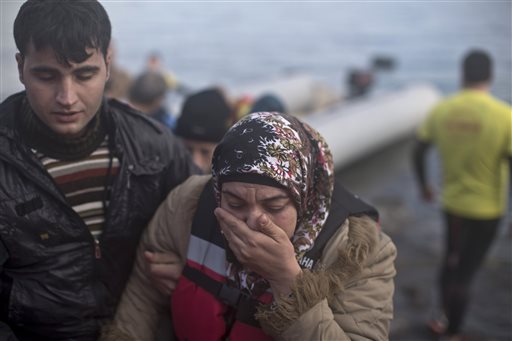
(97, 248)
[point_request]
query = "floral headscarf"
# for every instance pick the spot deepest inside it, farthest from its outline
(293, 154)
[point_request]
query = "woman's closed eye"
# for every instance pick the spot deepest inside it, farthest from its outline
(269, 207)
(235, 204)
(274, 208)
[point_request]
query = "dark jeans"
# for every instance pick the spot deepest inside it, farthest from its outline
(467, 243)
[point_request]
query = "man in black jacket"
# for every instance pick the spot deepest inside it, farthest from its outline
(80, 177)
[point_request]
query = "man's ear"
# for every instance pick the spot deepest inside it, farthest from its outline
(108, 61)
(20, 60)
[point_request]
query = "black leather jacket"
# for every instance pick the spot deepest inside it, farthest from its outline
(52, 283)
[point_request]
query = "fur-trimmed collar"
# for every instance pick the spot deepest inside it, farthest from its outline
(344, 257)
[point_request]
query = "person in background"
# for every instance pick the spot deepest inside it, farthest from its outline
(246, 104)
(241, 106)
(205, 118)
(268, 247)
(268, 102)
(154, 63)
(472, 131)
(80, 177)
(147, 94)
(119, 81)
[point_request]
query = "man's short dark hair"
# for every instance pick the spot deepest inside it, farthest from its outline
(477, 67)
(68, 27)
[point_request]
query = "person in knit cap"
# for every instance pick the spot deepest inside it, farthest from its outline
(204, 119)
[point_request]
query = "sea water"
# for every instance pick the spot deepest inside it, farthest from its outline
(234, 42)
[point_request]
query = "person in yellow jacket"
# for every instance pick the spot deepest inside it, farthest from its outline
(472, 132)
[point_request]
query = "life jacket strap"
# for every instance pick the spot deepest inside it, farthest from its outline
(244, 305)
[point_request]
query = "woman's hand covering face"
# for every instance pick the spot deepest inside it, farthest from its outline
(263, 247)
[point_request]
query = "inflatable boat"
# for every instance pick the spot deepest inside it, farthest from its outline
(353, 128)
